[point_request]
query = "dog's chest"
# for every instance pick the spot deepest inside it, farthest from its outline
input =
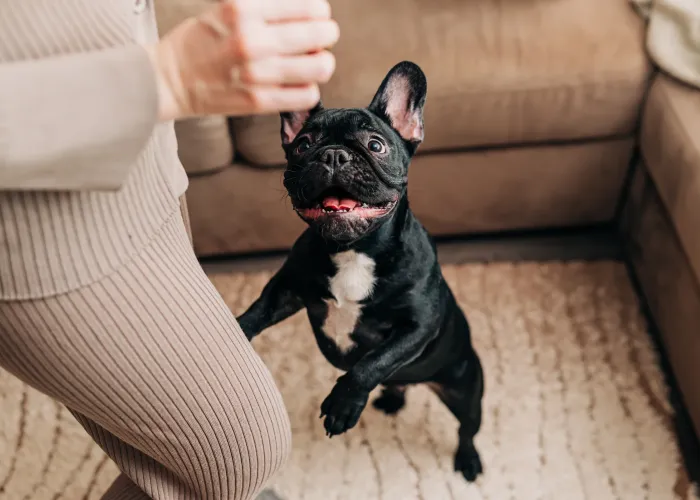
(352, 283)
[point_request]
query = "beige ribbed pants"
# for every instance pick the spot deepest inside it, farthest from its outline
(154, 366)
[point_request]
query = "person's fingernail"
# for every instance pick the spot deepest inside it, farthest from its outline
(322, 10)
(326, 32)
(328, 67)
(334, 30)
(314, 95)
(309, 98)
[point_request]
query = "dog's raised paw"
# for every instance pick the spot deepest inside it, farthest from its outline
(343, 407)
(389, 402)
(245, 327)
(467, 462)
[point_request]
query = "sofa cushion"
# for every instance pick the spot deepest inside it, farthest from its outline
(204, 144)
(499, 72)
(243, 209)
(170, 13)
(671, 150)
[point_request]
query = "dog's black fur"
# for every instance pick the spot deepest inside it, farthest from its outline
(410, 329)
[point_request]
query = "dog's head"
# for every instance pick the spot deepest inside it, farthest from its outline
(347, 168)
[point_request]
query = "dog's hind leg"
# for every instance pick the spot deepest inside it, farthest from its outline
(461, 388)
(391, 400)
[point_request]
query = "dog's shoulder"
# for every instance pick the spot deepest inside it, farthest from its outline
(414, 250)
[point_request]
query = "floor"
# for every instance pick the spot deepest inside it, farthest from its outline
(589, 244)
(576, 405)
(480, 256)
(592, 243)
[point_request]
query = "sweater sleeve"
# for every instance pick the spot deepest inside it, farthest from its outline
(75, 122)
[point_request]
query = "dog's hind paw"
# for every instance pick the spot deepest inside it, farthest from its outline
(389, 402)
(467, 462)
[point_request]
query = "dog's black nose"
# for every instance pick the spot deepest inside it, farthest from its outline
(335, 157)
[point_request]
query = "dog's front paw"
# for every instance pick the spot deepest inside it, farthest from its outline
(467, 462)
(343, 407)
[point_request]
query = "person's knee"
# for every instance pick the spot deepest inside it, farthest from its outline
(244, 444)
(267, 433)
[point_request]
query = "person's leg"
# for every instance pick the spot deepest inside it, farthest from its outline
(152, 475)
(124, 488)
(157, 370)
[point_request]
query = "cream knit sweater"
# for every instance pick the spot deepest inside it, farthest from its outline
(87, 176)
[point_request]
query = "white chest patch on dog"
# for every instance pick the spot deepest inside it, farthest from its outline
(352, 283)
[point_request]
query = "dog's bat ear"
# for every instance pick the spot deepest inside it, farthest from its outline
(293, 122)
(400, 101)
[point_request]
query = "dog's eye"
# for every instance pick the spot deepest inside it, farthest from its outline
(375, 146)
(304, 145)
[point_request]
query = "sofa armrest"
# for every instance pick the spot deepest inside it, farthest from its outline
(670, 148)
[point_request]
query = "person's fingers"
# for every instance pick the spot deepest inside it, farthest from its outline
(230, 14)
(302, 37)
(227, 61)
(287, 98)
(292, 70)
(250, 37)
(278, 10)
(293, 10)
(254, 41)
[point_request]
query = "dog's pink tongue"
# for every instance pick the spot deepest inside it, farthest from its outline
(334, 203)
(347, 204)
(331, 202)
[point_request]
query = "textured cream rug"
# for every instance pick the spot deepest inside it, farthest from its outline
(575, 405)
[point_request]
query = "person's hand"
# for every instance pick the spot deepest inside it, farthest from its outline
(244, 57)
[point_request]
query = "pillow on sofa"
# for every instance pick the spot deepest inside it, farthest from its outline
(673, 36)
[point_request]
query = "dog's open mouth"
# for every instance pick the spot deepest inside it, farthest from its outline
(336, 202)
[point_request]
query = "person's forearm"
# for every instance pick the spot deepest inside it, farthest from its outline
(75, 122)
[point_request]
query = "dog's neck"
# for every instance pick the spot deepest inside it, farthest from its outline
(379, 241)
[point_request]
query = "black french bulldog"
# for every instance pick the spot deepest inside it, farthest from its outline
(366, 270)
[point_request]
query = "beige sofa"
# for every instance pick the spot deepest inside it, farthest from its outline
(532, 105)
(660, 224)
(532, 121)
